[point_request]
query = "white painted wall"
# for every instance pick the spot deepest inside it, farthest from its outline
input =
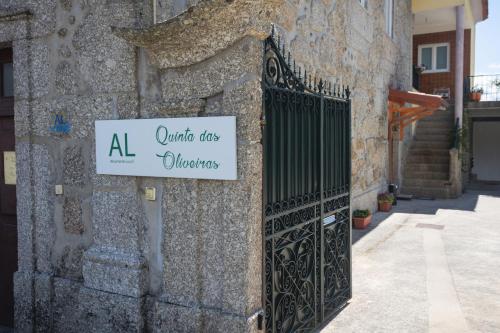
(486, 148)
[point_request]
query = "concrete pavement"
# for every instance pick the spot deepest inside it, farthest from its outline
(428, 266)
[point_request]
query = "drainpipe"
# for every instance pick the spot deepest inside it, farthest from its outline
(459, 64)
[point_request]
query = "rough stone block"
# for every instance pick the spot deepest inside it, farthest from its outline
(43, 302)
(65, 299)
(244, 100)
(109, 313)
(38, 65)
(72, 210)
(118, 220)
(176, 318)
(74, 165)
(213, 235)
(240, 223)
(106, 62)
(79, 111)
(13, 30)
(182, 234)
(250, 163)
(44, 207)
(24, 208)
(44, 14)
(115, 272)
(122, 13)
(243, 58)
(219, 322)
(64, 51)
(66, 79)
(21, 56)
(24, 297)
(69, 264)
(127, 106)
(21, 117)
(181, 319)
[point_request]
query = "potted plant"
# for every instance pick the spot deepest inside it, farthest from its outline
(475, 94)
(361, 218)
(385, 201)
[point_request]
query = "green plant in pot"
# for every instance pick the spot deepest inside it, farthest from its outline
(476, 93)
(361, 218)
(385, 201)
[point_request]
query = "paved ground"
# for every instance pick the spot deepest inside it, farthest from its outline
(411, 276)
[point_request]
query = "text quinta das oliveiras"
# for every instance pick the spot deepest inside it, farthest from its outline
(176, 160)
(171, 159)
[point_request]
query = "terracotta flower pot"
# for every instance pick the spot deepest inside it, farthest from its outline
(384, 206)
(475, 96)
(361, 222)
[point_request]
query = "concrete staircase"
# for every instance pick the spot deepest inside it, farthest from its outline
(426, 173)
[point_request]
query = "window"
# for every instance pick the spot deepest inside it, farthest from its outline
(434, 57)
(6, 83)
(6, 73)
(364, 3)
(7, 80)
(389, 13)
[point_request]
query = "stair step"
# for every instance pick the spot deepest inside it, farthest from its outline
(418, 182)
(429, 159)
(426, 173)
(444, 125)
(428, 144)
(445, 119)
(435, 131)
(427, 167)
(417, 174)
(431, 192)
(433, 137)
(429, 152)
(439, 116)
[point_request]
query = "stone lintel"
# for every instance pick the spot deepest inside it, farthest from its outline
(202, 31)
(14, 15)
(179, 107)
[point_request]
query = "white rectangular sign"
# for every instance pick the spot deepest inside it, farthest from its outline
(201, 148)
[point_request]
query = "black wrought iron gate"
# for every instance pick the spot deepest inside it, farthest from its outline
(307, 173)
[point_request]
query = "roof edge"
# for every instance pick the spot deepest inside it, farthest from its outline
(485, 5)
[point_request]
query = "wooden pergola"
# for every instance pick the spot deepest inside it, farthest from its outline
(420, 105)
(406, 107)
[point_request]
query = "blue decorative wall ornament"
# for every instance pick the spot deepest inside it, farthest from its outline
(61, 124)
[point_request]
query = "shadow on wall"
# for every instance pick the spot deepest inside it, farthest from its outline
(470, 201)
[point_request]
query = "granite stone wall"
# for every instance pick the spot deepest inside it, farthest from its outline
(99, 257)
(68, 65)
(344, 42)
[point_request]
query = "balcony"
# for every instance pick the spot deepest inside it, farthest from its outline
(482, 88)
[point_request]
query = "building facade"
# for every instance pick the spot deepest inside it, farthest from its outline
(440, 80)
(443, 60)
(90, 252)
